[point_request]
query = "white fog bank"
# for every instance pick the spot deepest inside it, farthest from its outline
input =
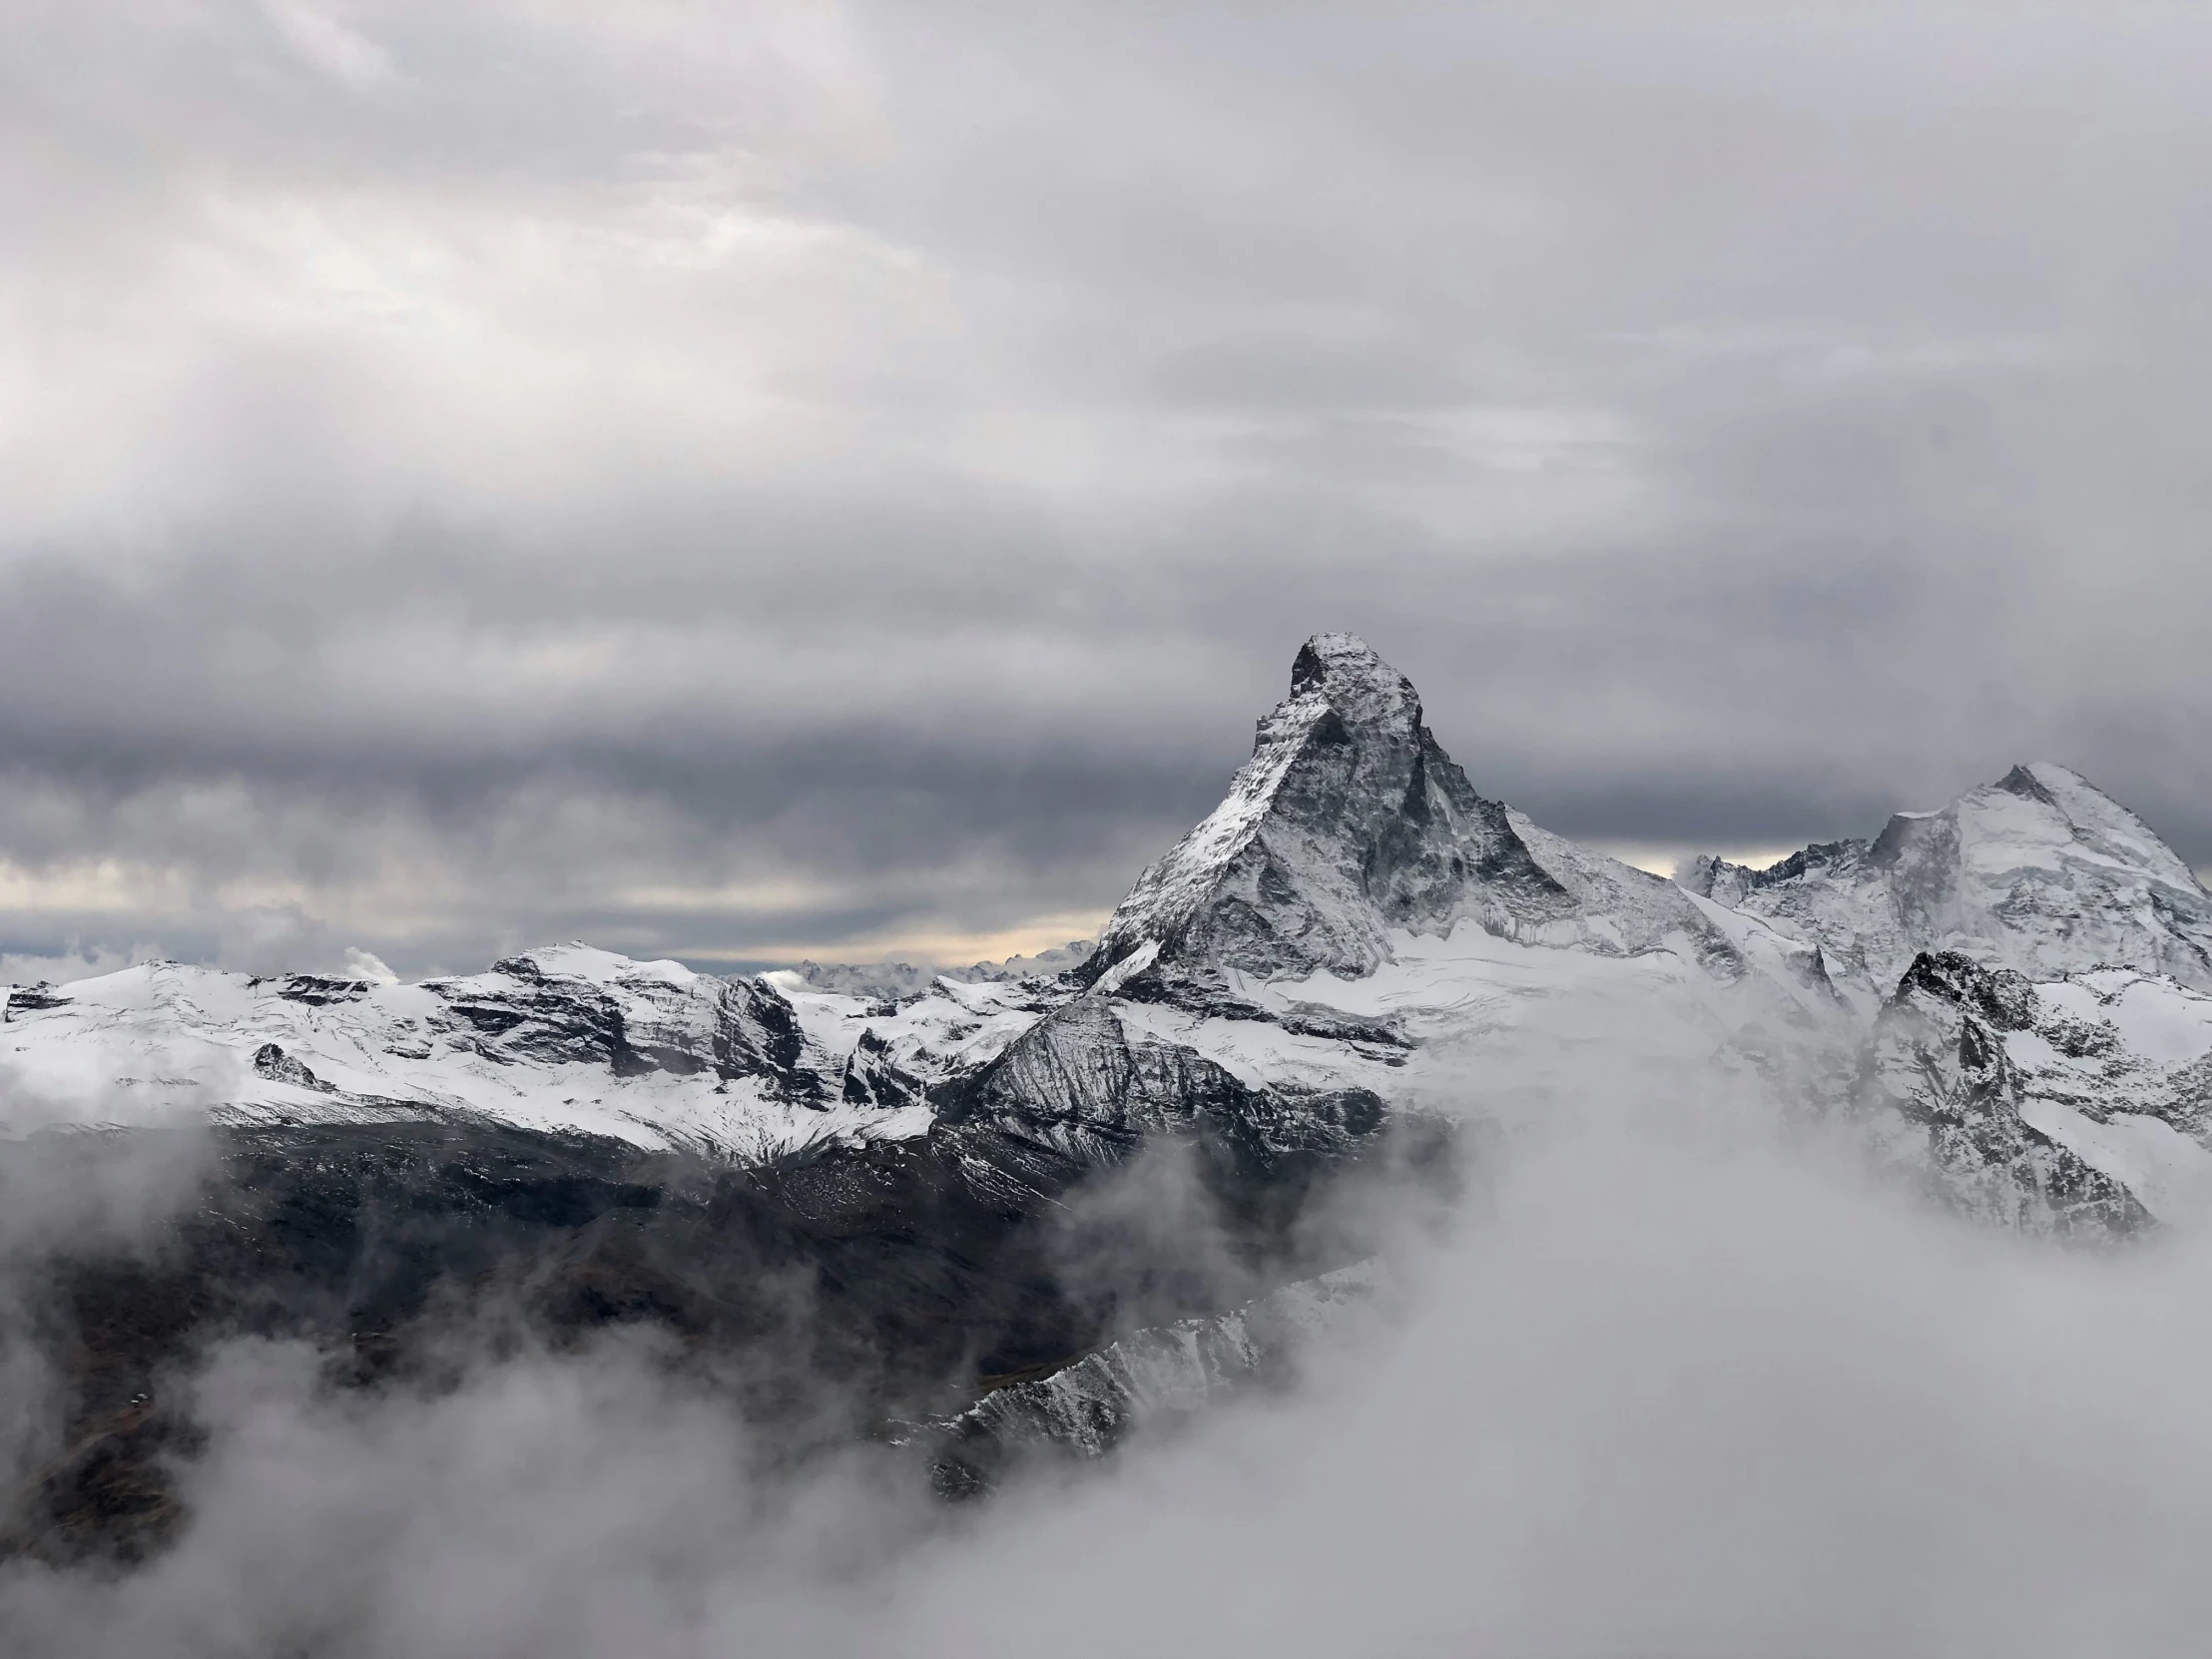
(1673, 1385)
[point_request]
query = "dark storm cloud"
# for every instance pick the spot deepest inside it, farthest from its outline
(746, 480)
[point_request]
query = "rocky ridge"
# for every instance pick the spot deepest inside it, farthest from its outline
(2081, 1105)
(566, 1039)
(2035, 967)
(1150, 1376)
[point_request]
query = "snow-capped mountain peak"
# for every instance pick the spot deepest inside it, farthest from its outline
(1350, 823)
(1338, 937)
(2039, 872)
(1347, 740)
(2095, 825)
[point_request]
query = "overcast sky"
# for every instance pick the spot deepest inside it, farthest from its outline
(750, 480)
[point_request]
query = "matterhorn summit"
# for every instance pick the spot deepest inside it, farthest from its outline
(1351, 823)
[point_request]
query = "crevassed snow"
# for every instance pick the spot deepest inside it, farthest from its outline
(2103, 828)
(1499, 1028)
(1471, 977)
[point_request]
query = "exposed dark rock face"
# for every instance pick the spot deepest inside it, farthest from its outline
(1083, 1085)
(519, 1012)
(1938, 1061)
(271, 1061)
(317, 990)
(24, 999)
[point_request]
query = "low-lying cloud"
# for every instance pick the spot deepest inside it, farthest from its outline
(77, 1197)
(1680, 1382)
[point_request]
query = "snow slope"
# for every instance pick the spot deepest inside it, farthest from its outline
(2039, 872)
(567, 1038)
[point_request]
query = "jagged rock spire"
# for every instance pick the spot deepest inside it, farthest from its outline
(1351, 821)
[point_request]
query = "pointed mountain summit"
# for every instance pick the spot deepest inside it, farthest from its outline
(1351, 822)
(2039, 872)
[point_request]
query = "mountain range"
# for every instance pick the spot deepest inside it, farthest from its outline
(971, 1197)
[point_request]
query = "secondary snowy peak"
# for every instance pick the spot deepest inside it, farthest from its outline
(1351, 822)
(2039, 872)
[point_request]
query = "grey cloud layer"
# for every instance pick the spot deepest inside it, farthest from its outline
(733, 481)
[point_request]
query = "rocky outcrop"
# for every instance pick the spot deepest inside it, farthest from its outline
(1939, 1070)
(2009, 1090)
(631, 1022)
(30, 999)
(1085, 1084)
(271, 1063)
(1147, 1378)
